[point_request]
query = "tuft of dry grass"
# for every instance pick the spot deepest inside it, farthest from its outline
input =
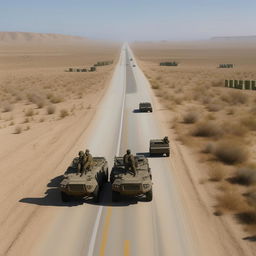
(206, 129)
(230, 152)
(245, 176)
(231, 201)
(190, 118)
(249, 121)
(50, 109)
(247, 217)
(208, 148)
(7, 107)
(216, 174)
(17, 130)
(63, 113)
(29, 112)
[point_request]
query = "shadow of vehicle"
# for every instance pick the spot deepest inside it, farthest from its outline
(52, 198)
(147, 154)
(136, 111)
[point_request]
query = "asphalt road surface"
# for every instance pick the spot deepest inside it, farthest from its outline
(129, 227)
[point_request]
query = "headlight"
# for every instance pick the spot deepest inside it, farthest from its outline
(145, 186)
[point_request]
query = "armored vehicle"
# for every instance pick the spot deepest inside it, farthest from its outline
(125, 183)
(145, 107)
(159, 147)
(84, 185)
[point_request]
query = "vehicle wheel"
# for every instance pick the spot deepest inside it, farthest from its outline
(115, 196)
(96, 195)
(65, 198)
(149, 195)
(168, 154)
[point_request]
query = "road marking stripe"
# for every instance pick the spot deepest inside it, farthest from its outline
(126, 248)
(97, 221)
(105, 231)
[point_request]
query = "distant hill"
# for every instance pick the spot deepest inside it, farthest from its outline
(28, 37)
(235, 38)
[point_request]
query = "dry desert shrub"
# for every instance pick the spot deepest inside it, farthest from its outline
(236, 97)
(17, 130)
(206, 129)
(26, 120)
(247, 217)
(50, 109)
(63, 113)
(245, 176)
(29, 112)
(7, 107)
(249, 121)
(190, 117)
(231, 200)
(216, 174)
(230, 152)
(208, 148)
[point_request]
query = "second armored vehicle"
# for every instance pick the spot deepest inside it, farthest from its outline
(145, 107)
(125, 183)
(159, 147)
(88, 184)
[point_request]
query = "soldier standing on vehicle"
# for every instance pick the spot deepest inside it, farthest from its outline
(166, 140)
(80, 166)
(87, 161)
(129, 162)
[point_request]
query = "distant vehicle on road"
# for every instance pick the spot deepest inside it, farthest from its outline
(145, 107)
(134, 65)
(131, 59)
(88, 184)
(125, 183)
(159, 147)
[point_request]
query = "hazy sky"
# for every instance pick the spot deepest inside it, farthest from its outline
(131, 20)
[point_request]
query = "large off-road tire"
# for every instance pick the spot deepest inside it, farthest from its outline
(96, 195)
(115, 196)
(149, 195)
(65, 198)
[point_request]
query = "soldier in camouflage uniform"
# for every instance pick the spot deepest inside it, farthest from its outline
(129, 162)
(80, 166)
(87, 161)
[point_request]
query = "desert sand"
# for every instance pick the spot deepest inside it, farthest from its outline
(44, 115)
(212, 128)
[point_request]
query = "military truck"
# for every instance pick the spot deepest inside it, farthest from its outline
(84, 185)
(145, 107)
(159, 147)
(126, 184)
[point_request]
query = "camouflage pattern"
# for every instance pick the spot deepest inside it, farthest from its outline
(145, 107)
(129, 162)
(159, 147)
(75, 183)
(125, 183)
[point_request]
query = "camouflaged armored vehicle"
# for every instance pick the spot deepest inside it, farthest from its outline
(125, 183)
(86, 185)
(145, 107)
(159, 147)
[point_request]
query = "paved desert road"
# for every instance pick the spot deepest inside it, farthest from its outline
(130, 227)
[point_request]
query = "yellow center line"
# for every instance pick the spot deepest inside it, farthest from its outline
(105, 231)
(126, 248)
